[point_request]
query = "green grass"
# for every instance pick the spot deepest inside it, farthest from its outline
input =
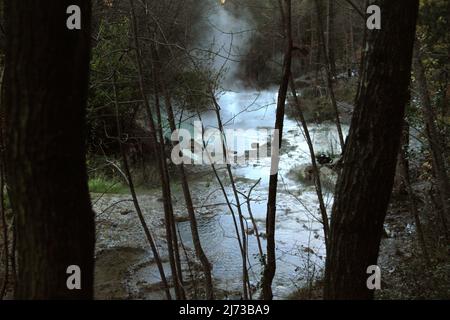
(105, 185)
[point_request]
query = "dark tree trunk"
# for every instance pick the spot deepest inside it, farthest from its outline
(329, 73)
(316, 170)
(365, 183)
(434, 138)
(129, 178)
(330, 37)
(46, 82)
(199, 252)
(169, 222)
(403, 167)
(270, 266)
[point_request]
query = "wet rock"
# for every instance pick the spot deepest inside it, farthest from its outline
(324, 159)
(308, 250)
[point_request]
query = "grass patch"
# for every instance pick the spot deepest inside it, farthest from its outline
(105, 185)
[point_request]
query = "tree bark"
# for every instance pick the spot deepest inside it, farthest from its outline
(270, 267)
(46, 82)
(365, 183)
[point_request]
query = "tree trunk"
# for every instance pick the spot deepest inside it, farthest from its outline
(269, 270)
(330, 37)
(199, 252)
(316, 170)
(172, 244)
(404, 172)
(329, 73)
(46, 82)
(434, 138)
(129, 178)
(365, 183)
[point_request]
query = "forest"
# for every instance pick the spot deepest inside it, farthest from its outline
(225, 149)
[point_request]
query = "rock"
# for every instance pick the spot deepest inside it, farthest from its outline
(324, 159)
(308, 173)
(308, 250)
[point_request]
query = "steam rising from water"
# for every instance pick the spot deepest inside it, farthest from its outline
(226, 34)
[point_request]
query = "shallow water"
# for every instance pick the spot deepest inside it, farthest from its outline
(299, 241)
(125, 266)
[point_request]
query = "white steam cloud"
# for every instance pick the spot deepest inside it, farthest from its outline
(227, 35)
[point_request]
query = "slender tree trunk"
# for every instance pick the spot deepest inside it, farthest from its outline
(168, 213)
(329, 73)
(167, 199)
(434, 138)
(330, 37)
(242, 247)
(311, 46)
(245, 277)
(365, 183)
(404, 170)
(130, 183)
(270, 267)
(255, 225)
(46, 83)
(209, 289)
(316, 171)
(352, 53)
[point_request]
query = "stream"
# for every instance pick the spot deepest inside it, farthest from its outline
(299, 238)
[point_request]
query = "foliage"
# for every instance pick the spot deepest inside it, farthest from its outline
(191, 90)
(111, 54)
